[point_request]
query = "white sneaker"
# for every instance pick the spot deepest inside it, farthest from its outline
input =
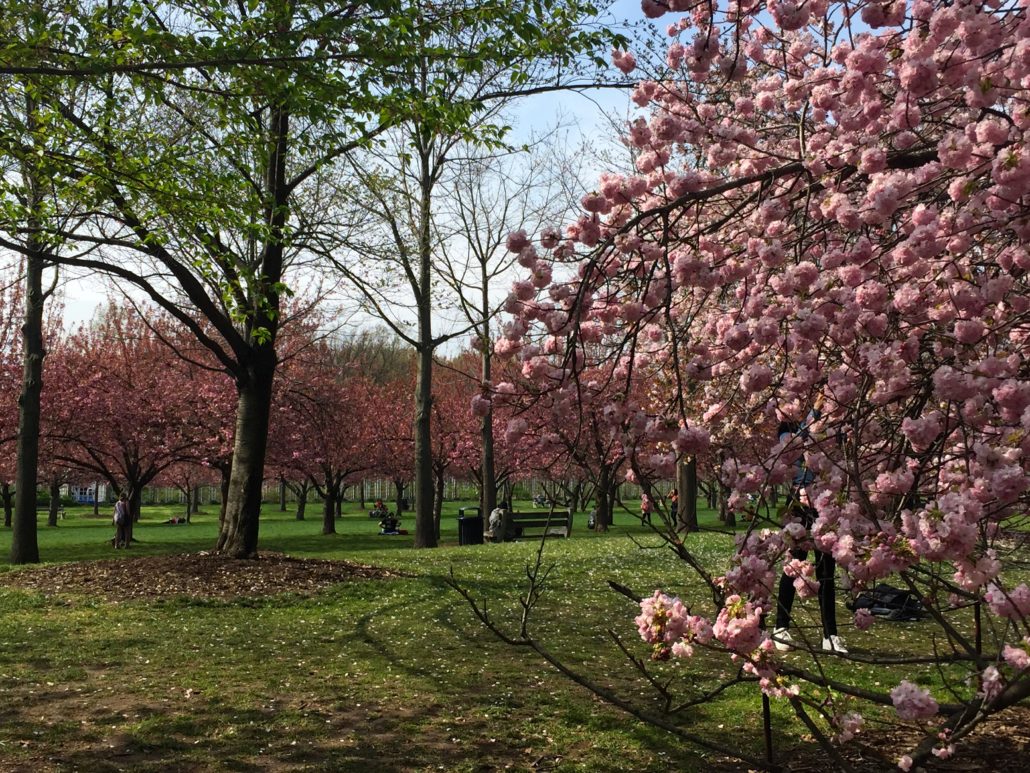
(781, 637)
(834, 644)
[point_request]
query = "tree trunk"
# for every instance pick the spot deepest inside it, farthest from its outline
(223, 493)
(438, 501)
(282, 494)
(96, 498)
(302, 502)
(398, 486)
(329, 511)
(425, 531)
(135, 507)
(686, 484)
(55, 503)
(24, 540)
(361, 493)
(605, 501)
(488, 473)
(239, 534)
(256, 370)
(8, 498)
(726, 515)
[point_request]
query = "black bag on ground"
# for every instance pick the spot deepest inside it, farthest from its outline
(887, 601)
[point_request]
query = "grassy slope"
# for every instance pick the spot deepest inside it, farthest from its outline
(393, 675)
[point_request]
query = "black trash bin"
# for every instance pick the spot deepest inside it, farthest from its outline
(470, 526)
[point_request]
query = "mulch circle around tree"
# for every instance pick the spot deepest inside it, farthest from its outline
(199, 575)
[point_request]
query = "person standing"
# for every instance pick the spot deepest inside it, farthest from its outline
(122, 522)
(646, 508)
(798, 504)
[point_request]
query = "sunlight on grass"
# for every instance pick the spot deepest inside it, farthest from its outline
(333, 681)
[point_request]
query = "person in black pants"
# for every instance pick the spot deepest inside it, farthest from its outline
(825, 566)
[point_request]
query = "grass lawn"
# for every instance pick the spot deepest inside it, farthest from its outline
(385, 675)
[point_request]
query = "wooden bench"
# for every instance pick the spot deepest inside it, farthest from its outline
(543, 523)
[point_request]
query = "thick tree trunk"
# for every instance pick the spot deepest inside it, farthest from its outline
(55, 503)
(24, 540)
(302, 502)
(686, 484)
(96, 498)
(239, 534)
(8, 497)
(282, 494)
(361, 493)
(329, 511)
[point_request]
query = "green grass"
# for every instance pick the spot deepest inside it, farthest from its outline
(385, 675)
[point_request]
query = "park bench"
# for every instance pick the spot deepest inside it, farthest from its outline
(542, 522)
(46, 509)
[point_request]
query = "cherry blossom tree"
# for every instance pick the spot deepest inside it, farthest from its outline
(324, 425)
(828, 211)
(120, 405)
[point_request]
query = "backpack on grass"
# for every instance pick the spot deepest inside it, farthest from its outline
(887, 601)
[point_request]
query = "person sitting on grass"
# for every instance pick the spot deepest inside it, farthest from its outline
(390, 524)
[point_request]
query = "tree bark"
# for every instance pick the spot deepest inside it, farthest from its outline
(223, 492)
(55, 502)
(24, 540)
(282, 494)
(398, 486)
(686, 484)
(239, 534)
(329, 511)
(8, 497)
(438, 500)
(488, 491)
(605, 501)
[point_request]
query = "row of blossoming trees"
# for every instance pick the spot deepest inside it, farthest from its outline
(130, 401)
(829, 206)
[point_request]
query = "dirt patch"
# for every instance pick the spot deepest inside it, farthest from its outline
(199, 575)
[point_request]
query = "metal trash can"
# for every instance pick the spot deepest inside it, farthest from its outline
(470, 526)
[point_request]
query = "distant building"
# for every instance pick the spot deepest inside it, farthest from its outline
(85, 495)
